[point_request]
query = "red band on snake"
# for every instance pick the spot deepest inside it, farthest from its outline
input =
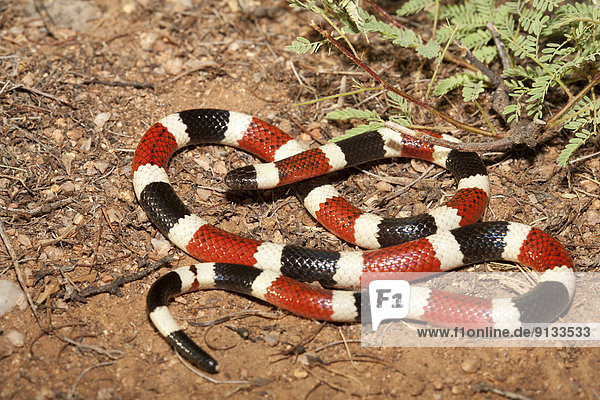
(439, 240)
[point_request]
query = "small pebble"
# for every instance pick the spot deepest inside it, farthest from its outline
(307, 358)
(300, 374)
(272, 339)
(128, 8)
(471, 365)
(101, 119)
(457, 389)
(101, 166)
(11, 296)
(24, 240)
(78, 219)
(16, 338)
(417, 388)
(383, 186)
(219, 168)
(161, 245)
(6, 347)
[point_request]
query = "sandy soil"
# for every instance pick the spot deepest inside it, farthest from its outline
(69, 127)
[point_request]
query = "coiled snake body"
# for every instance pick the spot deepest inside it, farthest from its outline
(439, 240)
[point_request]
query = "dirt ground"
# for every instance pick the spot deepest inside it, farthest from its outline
(73, 105)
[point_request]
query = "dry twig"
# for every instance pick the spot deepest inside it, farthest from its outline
(114, 286)
(42, 209)
(90, 80)
(19, 273)
(83, 373)
(42, 93)
(484, 388)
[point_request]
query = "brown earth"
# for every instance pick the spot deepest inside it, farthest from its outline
(68, 133)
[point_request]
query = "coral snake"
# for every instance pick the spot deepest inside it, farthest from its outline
(439, 240)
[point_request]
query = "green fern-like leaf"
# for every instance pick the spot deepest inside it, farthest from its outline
(533, 21)
(398, 101)
(555, 50)
(570, 14)
(528, 72)
(401, 119)
(513, 112)
(452, 10)
(485, 8)
(486, 54)
(545, 5)
(372, 24)
(518, 91)
(477, 39)
(524, 46)
(407, 38)
(352, 113)
(537, 95)
(459, 80)
(575, 143)
(348, 13)
(472, 90)
(430, 50)
(444, 34)
(465, 15)
(401, 106)
(302, 46)
(449, 84)
(400, 37)
(413, 6)
(372, 126)
(575, 123)
(504, 21)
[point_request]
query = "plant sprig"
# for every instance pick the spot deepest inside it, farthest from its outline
(550, 47)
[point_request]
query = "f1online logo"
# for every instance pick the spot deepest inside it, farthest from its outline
(388, 299)
(381, 297)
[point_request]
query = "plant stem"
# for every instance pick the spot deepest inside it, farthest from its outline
(487, 120)
(393, 21)
(439, 64)
(392, 88)
(386, 15)
(335, 96)
(541, 64)
(572, 101)
(498, 145)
